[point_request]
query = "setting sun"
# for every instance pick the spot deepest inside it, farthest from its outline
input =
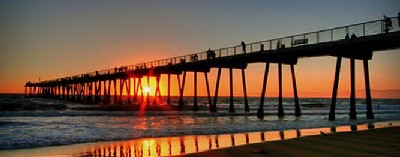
(147, 89)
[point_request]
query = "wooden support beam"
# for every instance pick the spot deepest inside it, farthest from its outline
(169, 90)
(260, 111)
(214, 106)
(280, 106)
(135, 90)
(181, 89)
(128, 89)
(105, 90)
(370, 114)
(297, 110)
(195, 107)
(115, 91)
(353, 113)
(148, 93)
(208, 91)
(121, 89)
(335, 89)
(231, 105)
(246, 102)
(157, 94)
(140, 86)
(96, 91)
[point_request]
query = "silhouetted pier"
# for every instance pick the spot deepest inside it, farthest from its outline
(354, 42)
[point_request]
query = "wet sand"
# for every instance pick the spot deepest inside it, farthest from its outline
(377, 139)
(375, 142)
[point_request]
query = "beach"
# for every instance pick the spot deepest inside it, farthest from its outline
(48, 127)
(375, 142)
(378, 139)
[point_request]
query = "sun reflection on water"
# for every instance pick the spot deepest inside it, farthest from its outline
(167, 146)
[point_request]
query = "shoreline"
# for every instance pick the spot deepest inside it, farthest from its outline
(11, 103)
(374, 142)
(195, 145)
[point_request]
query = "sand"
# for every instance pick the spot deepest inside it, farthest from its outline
(384, 140)
(376, 142)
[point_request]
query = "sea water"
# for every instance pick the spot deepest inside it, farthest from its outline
(64, 126)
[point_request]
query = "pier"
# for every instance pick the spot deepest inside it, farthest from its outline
(355, 42)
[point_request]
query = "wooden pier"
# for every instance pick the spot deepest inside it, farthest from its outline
(355, 42)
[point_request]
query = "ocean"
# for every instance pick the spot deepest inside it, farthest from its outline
(58, 123)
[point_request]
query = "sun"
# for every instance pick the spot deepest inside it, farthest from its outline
(147, 89)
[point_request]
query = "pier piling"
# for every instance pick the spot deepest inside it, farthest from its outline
(370, 114)
(260, 111)
(280, 106)
(214, 106)
(353, 113)
(169, 89)
(195, 107)
(208, 92)
(335, 88)
(246, 102)
(231, 105)
(297, 110)
(181, 89)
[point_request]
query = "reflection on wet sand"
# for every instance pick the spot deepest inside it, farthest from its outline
(168, 146)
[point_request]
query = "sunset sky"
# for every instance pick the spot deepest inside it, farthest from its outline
(49, 39)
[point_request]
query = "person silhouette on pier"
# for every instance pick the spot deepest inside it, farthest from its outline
(347, 37)
(388, 23)
(353, 36)
(210, 54)
(278, 44)
(243, 46)
(283, 46)
(194, 57)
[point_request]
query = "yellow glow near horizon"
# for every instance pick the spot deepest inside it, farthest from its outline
(147, 90)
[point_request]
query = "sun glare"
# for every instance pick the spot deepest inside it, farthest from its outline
(147, 89)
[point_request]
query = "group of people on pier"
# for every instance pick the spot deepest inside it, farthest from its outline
(387, 22)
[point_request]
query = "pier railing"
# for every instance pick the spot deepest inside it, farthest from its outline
(310, 38)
